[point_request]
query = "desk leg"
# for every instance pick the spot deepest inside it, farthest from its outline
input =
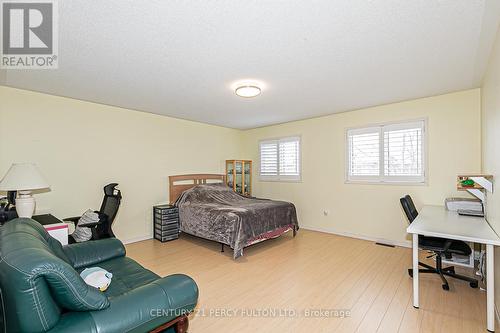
(490, 291)
(415, 270)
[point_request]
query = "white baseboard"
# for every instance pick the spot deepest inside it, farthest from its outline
(358, 236)
(339, 233)
(136, 239)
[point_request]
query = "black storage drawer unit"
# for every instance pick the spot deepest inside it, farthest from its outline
(165, 222)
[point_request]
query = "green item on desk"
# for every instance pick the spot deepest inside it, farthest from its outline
(467, 182)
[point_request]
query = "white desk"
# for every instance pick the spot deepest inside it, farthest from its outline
(436, 221)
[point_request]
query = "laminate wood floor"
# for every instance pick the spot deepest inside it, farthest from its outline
(315, 282)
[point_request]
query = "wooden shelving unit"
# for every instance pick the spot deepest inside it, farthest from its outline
(239, 176)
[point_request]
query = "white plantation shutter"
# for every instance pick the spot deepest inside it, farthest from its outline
(280, 159)
(387, 153)
(269, 158)
(364, 153)
(289, 157)
(403, 145)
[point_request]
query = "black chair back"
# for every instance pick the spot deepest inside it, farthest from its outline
(409, 208)
(109, 209)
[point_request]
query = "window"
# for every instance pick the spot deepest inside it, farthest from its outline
(280, 159)
(387, 153)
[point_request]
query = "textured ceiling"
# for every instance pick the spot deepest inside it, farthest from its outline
(181, 58)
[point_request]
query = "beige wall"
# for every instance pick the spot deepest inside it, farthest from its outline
(81, 146)
(373, 211)
(491, 145)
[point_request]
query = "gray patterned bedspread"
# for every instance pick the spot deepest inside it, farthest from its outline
(215, 212)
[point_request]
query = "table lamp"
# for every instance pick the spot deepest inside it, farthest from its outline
(23, 178)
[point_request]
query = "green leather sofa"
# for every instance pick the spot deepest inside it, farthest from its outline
(42, 290)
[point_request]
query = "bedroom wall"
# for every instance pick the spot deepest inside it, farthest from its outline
(81, 146)
(373, 211)
(491, 151)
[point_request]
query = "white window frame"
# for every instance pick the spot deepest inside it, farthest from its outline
(381, 178)
(278, 177)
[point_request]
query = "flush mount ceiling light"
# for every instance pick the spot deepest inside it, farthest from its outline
(247, 91)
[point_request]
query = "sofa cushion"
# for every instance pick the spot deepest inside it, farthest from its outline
(127, 275)
(148, 306)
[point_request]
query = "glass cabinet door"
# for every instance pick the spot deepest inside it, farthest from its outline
(239, 176)
(247, 179)
(230, 173)
(238, 165)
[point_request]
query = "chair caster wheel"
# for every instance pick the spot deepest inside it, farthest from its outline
(410, 272)
(473, 284)
(446, 287)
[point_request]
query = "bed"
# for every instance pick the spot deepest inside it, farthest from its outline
(211, 210)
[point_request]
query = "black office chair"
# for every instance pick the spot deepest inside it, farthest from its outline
(441, 247)
(107, 214)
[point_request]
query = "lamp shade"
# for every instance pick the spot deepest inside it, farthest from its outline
(23, 177)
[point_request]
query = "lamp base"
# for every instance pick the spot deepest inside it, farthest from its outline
(25, 204)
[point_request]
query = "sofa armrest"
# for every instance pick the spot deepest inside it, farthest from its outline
(140, 310)
(93, 252)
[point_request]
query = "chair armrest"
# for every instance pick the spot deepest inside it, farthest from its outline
(139, 310)
(447, 245)
(91, 225)
(93, 252)
(102, 219)
(73, 219)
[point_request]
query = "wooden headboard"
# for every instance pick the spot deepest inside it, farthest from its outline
(188, 181)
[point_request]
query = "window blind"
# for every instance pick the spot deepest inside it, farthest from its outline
(403, 151)
(364, 152)
(289, 157)
(269, 158)
(280, 159)
(387, 153)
